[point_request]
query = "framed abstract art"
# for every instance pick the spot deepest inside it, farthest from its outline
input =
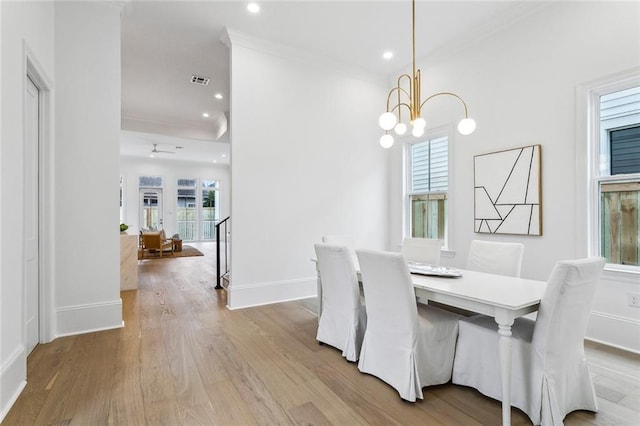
(507, 196)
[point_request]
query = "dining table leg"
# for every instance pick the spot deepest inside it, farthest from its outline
(504, 330)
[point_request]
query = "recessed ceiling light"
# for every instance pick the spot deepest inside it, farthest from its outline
(387, 55)
(224, 155)
(218, 96)
(205, 114)
(253, 7)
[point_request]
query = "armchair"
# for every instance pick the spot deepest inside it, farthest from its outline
(154, 241)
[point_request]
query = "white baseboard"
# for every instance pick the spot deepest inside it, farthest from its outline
(271, 292)
(88, 318)
(612, 330)
(13, 379)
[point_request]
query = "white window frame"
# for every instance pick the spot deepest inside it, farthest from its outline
(445, 131)
(588, 177)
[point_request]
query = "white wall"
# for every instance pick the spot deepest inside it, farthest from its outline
(305, 162)
(87, 61)
(520, 86)
(22, 25)
(131, 168)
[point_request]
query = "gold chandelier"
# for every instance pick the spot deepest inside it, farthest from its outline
(410, 99)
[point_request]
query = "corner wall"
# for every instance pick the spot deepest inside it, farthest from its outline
(305, 162)
(520, 85)
(87, 131)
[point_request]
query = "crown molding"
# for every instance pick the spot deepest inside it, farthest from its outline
(232, 38)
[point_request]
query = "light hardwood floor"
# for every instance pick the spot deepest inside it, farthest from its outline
(183, 358)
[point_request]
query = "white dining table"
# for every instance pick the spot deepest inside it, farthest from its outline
(501, 297)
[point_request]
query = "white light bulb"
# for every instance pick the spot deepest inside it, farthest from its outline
(466, 126)
(387, 121)
(400, 129)
(253, 7)
(419, 123)
(386, 141)
(417, 132)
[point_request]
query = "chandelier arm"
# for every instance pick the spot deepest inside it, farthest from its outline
(415, 107)
(399, 90)
(397, 107)
(399, 101)
(408, 77)
(466, 113)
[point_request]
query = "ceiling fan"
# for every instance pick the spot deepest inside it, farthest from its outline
(155, 150)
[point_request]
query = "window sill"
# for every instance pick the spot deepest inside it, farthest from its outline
(622, 273)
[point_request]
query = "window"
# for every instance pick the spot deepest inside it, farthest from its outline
(428, 183)
(210, 208)
(617, 180)
(187, 213)
(150, 182)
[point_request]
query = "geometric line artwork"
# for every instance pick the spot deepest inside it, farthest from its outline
(507, 195)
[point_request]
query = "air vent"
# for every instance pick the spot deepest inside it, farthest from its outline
(203, 81)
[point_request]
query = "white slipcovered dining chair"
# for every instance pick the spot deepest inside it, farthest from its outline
(549, 373)
(423, 250)
(343, 318)
(495, 257)
(404, 346)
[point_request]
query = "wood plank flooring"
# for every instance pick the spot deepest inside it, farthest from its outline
(184, 359)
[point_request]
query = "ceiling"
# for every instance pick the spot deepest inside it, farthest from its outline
(139, 144)
(164, 43)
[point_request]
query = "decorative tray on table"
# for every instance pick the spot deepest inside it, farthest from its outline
(426, 269)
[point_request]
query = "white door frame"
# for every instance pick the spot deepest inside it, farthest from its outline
(46, 222)
(31, 215)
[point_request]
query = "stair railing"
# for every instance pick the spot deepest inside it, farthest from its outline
(221, 272)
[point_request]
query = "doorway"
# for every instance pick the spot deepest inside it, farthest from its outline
(32, 212)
